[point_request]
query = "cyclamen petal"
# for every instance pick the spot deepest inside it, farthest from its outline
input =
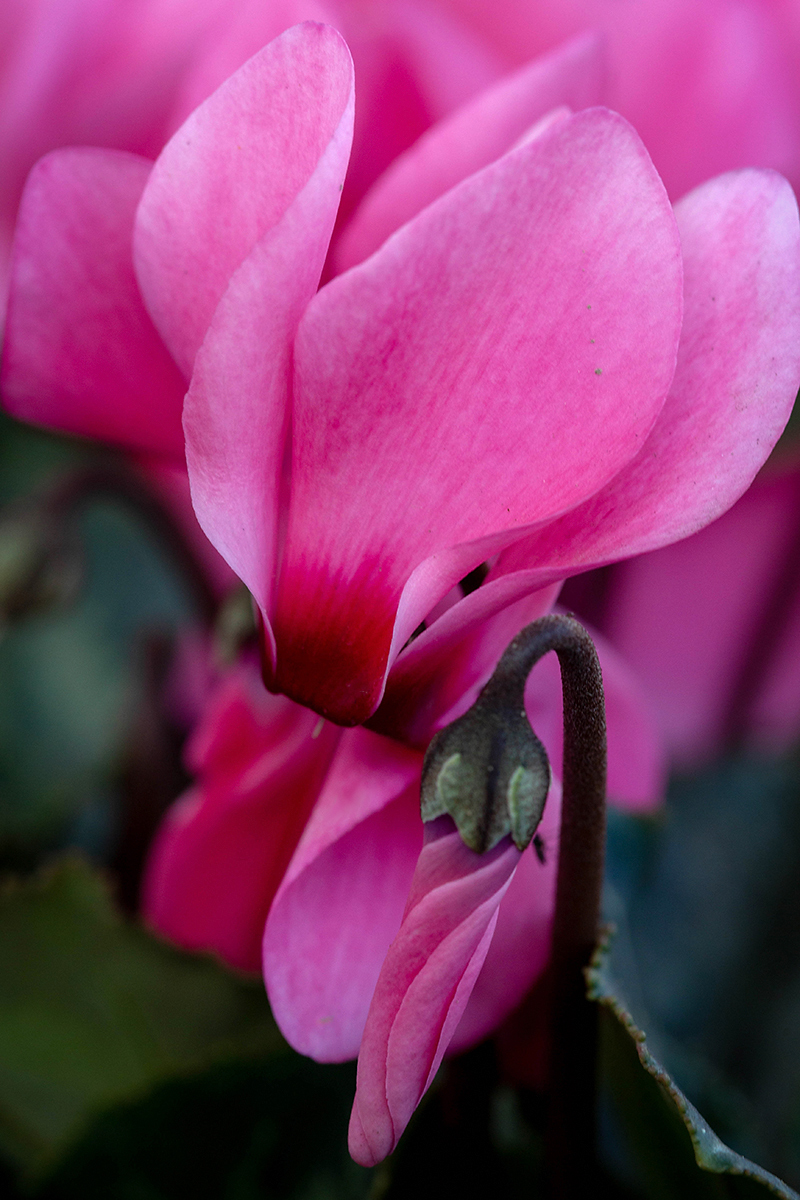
(741, 250)
(479, 327)
(220, 855)
(425, 983)
(724, 412)
(342, 899)
(81, 353)
(242, 375)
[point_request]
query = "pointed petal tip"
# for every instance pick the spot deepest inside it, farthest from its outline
(229, 173)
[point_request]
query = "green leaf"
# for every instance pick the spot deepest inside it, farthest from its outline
(708, 908)
(95, 1011)
(667, 1136)
(238, 1131)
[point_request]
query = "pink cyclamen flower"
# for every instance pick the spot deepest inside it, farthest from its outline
(542, 366)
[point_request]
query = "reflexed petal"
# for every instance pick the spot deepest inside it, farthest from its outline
(237, 409)
(509, 350)
(81, 354)
(737, 376)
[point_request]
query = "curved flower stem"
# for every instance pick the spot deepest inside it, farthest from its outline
(489, 772)
(570, 1147)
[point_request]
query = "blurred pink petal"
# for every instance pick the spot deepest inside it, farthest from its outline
(222, 851)
(88, 72)
(686, 618)
(710, 87)
(81, 354)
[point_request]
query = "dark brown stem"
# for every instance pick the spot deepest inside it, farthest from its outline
(570, 1159)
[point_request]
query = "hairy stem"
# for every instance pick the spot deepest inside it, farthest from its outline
(570, 1148)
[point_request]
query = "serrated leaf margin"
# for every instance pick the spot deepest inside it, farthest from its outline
(710, 1152)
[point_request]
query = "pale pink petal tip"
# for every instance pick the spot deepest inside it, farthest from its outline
(425, 983)
(368, 1152)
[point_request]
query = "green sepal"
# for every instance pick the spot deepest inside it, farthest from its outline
(490, 772)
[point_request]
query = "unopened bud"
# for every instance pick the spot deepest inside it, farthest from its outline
(490, 772)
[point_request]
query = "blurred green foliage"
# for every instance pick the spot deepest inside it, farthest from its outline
(94, 1011)
(70, 676)
(239, 1131)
